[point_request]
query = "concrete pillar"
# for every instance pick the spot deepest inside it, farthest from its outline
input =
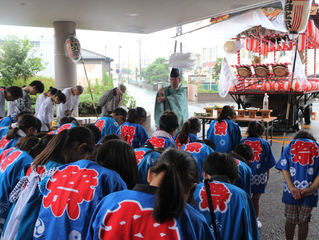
(65, 68)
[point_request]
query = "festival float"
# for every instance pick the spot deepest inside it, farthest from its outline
(278, 79)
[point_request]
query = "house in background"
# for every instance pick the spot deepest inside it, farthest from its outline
(95, 64)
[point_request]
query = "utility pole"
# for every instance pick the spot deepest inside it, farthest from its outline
(119, 74)
(179, 31)
(140, 60)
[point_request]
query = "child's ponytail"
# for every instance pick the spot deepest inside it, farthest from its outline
(180, 175)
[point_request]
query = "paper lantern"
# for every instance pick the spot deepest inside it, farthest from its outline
(72, 48)
(307, 86)
(296, 86)
(287, 86)
(267, 86)
(296, 15)
(275, 86)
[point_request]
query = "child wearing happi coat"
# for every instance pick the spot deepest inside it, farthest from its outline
(226, 207)
(155, 211)
(163, 136)
(261, 164)
(224, 132)
(188, 133)
(132, 130)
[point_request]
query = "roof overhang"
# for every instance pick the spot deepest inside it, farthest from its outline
(135, 16)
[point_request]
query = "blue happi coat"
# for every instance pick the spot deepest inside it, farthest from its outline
(161, 142)
(234, 212)
(4, 131)
(301, 159)
(107, 126)
(191, 138)
(133, 133)
(63, 127)
(244, 174)
(145, 158)
(7, 143)
(7, 121)
(263, 160)
(128, 215)
(70, 197)
(200, 151)
(12, 163)
(30, 213)
(225, 135)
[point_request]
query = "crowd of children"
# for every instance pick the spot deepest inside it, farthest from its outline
(111, 180)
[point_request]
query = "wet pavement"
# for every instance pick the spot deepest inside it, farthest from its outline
(271, 208)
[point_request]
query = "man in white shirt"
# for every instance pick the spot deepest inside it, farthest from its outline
(72, 95)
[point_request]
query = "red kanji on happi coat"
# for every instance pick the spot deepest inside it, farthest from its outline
(39, 169)
(4, 154)
(237, 161)
(136, 223)
(220, 195)
(157, 142)
(69, 188)
(4, 141)
(304, 152)
(256, 146)
(220, 128)
(9, 160)
(193, 147)
(64, 127)
(139, 156)
(100, 124)
(127, 133)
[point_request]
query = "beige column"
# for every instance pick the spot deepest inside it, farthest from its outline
(65, 68)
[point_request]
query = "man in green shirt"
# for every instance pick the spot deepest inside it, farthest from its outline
(174, 98)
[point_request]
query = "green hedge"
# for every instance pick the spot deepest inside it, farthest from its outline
(86, 108)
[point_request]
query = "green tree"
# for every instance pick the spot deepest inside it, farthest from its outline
(17, 60)
(217, 68)
(126, 71)
(157, 71)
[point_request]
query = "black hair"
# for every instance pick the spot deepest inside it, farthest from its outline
(227, 112)
(135, 114)
(110, 137)
(38, 84)
(65, 140)
(39, 123)
(68, 119)
(255, 129)
(245, 151)
(24, 123)
(60, 96)
(208, 142)
(221, 164)
(168, 121)
(180, 175)
(103, 140)
(192, 125)
(16, 92)
(120, 112)
(119, 156)
(23, 113)
(96, 132)
(304, 134)
(52, 90)
(34, 145)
